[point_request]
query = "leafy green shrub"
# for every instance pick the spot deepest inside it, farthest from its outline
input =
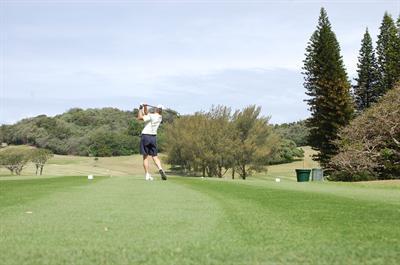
(104, 143)
(286, 152)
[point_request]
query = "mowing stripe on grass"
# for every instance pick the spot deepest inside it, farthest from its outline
(116, 221)
(17, 192)
(292, 226)
(126, 220)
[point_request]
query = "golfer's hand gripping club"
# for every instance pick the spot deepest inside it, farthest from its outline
(143, 108)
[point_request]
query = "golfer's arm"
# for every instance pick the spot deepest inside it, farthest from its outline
(140, 113)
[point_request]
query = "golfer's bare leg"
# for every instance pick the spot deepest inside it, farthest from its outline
(146, 164)
(157, 162)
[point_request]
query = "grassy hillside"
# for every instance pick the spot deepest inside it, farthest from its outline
(64, 165)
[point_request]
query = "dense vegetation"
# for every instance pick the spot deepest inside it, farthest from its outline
(112, 132)
(370, 146)
(217, 141)
(94, 132)
(328, 86)
(297, 132)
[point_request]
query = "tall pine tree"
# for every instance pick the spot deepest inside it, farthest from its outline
(398, 48)
(388, 54)
(398, 26)
(366, 90)
(328, 89)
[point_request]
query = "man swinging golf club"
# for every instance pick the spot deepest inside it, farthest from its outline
(148, 139)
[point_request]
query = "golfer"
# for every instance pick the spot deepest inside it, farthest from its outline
(148, 139)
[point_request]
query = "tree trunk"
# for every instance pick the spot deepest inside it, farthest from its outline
(233, 173)
(219, 172)
(244, 172)
(41, 169)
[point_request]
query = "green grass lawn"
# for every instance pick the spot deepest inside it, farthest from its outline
(123, 219)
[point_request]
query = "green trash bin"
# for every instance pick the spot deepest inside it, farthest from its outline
(303, 175)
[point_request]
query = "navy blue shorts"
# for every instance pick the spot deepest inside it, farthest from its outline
(148, 145)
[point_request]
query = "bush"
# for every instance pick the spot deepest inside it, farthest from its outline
(286, 152)
(104, 143)
(14, 159)
(345, 176)
(369, 148)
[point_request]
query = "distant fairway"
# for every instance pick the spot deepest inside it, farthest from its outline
(61, 165)
(121, 219)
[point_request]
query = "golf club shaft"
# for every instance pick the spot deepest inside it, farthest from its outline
(151, 106)
(147, 105)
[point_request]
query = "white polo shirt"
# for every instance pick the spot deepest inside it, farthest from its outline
(151, 123)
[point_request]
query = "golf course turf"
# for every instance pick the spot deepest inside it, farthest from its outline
(126, 220)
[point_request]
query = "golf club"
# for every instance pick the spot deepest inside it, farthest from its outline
(152, 106)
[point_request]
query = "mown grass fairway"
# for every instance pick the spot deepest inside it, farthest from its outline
(126, 220)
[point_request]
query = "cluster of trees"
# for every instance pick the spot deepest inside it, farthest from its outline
(378, 71)
(369, 148)
(15, 158)
(211, 143)
(331, 101)
(91, 132)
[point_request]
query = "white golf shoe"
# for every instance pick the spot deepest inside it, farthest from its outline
(148, 177)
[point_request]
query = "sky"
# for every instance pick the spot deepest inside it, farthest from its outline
(186, 55)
